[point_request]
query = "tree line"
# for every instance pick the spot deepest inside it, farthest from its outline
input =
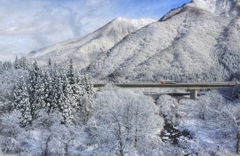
(52, 89)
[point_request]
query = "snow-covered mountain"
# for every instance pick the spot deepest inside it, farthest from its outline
(220, 7)
(199, 38)
(89, 48)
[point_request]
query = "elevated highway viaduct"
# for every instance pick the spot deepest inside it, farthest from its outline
(193, 87)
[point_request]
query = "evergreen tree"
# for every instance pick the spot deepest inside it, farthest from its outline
(47, 82)
(23, 63)
(80, 101)
(88, 86)
(21, 101)
(39, 93)
(78, 88)
(7, 66)
(16, 63)
(32, 87)
(57, 92)
(70, 74)
(67, 89)
(84, 109)
(66, 106)
(49, 63)
(1, 67)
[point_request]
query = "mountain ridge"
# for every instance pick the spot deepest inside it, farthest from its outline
(181, 53)
(224, 8)
(89, 46)
(190, 40)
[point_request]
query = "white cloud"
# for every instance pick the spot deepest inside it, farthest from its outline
(28, 25)
(96, 3)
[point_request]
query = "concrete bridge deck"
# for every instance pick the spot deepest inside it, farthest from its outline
(193, 87)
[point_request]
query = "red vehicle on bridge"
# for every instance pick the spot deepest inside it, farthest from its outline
(168, 82)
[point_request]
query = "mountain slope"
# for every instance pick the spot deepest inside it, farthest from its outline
(200, 38)
(91, 47)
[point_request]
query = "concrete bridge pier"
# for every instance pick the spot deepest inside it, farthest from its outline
(193, 94)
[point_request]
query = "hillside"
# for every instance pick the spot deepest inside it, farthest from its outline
(196, 42)
(91, 47)
(199, 39)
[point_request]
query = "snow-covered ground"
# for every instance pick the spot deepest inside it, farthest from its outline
(211, 121)
(168, 126)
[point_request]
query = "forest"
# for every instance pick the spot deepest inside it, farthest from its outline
(50, 110)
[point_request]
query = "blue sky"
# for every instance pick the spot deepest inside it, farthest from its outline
(28, 25)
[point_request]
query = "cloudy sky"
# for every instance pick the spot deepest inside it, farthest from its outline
(27, 25)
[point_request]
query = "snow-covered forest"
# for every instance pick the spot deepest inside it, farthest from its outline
(54, 111)
(49, 107)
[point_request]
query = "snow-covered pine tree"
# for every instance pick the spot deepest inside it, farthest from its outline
(1, 67)
(23, 63)
(66, 106)
(69, 102)
(70, 74)
(56, 92)
(75, 89)
(21, 101)
(32, 85)
(78, 93)
(16, 63)
(47, 82)
(88, 86)
(86, 106)
(39, 94)
(49, 63)
(7, 66)
(78, 88)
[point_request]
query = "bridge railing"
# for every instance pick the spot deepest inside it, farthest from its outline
(196, 86)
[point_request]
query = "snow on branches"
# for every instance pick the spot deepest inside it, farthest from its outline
(53, 89)
(124, 121)
(21, 101)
